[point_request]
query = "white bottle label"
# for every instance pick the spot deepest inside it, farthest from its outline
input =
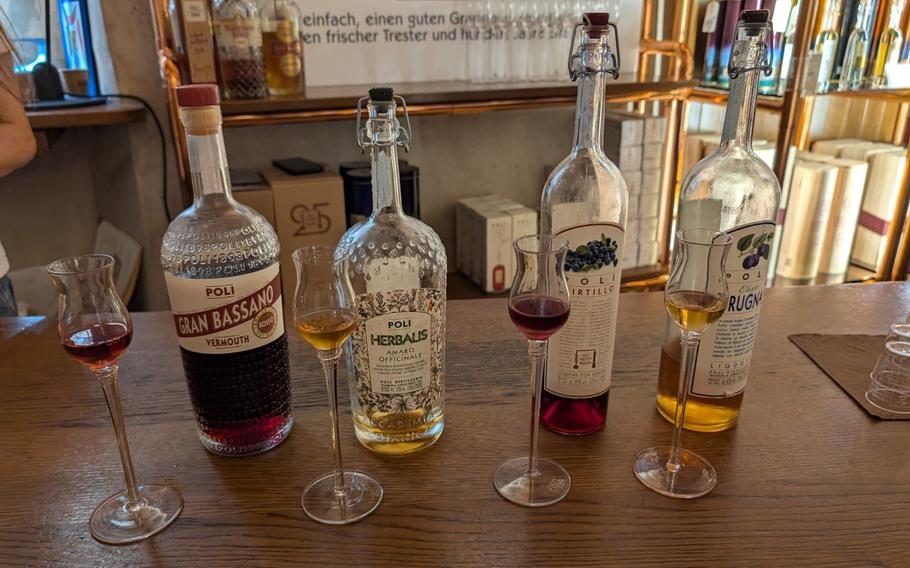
(397, 349)
(580, 355)
(712, 11)
(227, 315)
(725, 351)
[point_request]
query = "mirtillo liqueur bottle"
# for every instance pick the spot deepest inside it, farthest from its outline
(397, 272)
(220, 261)
(730, 190)
(585, 200)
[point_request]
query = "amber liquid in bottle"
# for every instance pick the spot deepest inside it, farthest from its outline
(283, 63)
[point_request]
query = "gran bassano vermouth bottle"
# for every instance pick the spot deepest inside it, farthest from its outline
(730, 190)
(397, 272)
(220, 263)
(585, 200)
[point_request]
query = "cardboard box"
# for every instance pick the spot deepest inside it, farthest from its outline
(650, 181)
(652, 126)
(632, 231)
(622, 129)
(649, 205)
(258, 198)
(633, 207)
(493, 248)
(647, 254)
(626, 158)
(463, 232)
(309, 210)
(647, 231)
(629, 255)
(652, 155)
(633, 181)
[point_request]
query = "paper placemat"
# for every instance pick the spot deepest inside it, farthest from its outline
(848, 360)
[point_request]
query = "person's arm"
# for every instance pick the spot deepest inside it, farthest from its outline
(17, 142)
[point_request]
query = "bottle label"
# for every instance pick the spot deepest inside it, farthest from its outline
(580, 355)
(712, 11)
(227, 315)
(286, 48)
(725, 351)
(398, 349)
(238, 32)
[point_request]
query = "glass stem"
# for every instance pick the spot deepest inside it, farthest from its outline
(689, 342)
(538, 353)
(108, 379)
(329, 360)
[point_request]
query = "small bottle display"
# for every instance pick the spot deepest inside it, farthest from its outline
(585, 200)
(238, 35)
(397, 272)
(889, 45)
(856, 56)
(734, 191)
(826, 44)
(283, 47)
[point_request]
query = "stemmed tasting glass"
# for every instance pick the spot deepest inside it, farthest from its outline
(95, 329)
(538, 307)
(696, 297)
(324, 318)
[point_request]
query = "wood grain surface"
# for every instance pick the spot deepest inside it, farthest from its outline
(113, 112)
(806, 478)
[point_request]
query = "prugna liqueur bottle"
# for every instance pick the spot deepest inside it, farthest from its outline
(220, 263)
(397, 271)
(730, 190)
(585, 200)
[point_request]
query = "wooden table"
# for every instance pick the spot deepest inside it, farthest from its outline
(806, 478)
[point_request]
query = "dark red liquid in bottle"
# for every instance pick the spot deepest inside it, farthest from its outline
(573, 416)
(100, 344)
(538, 317)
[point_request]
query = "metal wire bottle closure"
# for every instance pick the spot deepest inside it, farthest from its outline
(602, 58)
(744, 48)
(403, 137)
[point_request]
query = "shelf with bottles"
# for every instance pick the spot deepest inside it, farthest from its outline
(442, 97)
(711, 93)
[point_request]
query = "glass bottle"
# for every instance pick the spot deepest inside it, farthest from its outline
(238, 35)
(585, 200)
(220, 261)
(857, 53)
(826, 43)
(889, 45)
(397, 272)
(282, 45)
(786, 58)
(730, 190)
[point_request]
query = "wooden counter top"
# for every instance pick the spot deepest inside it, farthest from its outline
(806, 478)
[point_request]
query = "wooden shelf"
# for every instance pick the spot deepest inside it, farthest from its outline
(706, 94)
(900, 95)
(858, 274)
(447, 97)
(114, 112)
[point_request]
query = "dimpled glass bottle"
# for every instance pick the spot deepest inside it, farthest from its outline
(220, 261)
(397, 272)
(585, 201)
(734, 191)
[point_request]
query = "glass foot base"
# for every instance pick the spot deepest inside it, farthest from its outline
(549, 484)
(114, 522)
(694, 478)
(322, 504)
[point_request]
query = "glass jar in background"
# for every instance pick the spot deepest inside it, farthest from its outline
(238, 36)
(282, 46)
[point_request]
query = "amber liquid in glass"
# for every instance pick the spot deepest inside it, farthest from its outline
(283, 65)
(326, 329)
(693, 311)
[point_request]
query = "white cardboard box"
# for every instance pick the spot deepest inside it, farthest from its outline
(626, 158)
(492, 248)
(652, 155)
(650, 181)
(463, 233)
(622, 129)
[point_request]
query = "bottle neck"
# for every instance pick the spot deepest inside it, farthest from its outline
(208, 167)
(589, 111)
(385, 179)
(740, 116)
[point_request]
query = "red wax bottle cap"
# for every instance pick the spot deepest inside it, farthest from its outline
(198, 95)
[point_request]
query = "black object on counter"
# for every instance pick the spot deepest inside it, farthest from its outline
(358, 190)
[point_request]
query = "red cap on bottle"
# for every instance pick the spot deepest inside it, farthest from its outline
(198, 95)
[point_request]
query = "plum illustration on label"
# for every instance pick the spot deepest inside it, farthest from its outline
(725, 352)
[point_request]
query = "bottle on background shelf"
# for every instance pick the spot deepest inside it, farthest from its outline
(730, 190)
(238, 36)
(283, 46)
(784, 63)
(712, 27)
(826, 43)
(856, 56)
(889, 44)
(585, 200)
(397, 272)
(220, 261)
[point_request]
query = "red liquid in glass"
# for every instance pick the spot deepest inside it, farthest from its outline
(573, 416)
(99, 345)
(538, 317)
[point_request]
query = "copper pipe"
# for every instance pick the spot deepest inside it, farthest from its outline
(794, 107)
